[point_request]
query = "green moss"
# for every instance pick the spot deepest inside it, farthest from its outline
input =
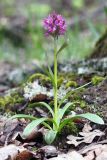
(11, 100)
(69, 128)
(97, 79)
(68, 76)
(37, 76)
(82, 104)
(72, 128)
(43, 78)
(79, 103)
(71, 84)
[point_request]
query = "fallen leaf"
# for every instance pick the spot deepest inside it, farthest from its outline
(40, 98)
(86, 137)
(93, 151)
(90, 155)
(35, 135)
(8, 129)
(69, 156)
(87, 128)
(25, 155)
(90, 148)
(10, 152)
(102, 156)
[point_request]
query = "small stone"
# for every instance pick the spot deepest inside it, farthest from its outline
(49, 151)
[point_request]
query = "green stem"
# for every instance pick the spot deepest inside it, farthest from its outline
(55, 80)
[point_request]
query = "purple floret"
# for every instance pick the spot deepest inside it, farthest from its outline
(54, 25)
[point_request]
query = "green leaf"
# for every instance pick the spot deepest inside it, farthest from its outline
(31, 126)
(45, 105)
(92, 117)
(70, 92)
(50, 136)
(47, 125)
(64, 122)
(64, 109)
(23, 116)
(65, 44)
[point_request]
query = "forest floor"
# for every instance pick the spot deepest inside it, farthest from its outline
(81, 140)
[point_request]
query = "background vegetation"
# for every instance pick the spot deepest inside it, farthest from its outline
(21, 32)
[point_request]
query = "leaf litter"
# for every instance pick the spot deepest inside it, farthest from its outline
(89, 144)
(86, 137)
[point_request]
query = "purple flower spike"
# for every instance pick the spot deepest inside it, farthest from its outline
(54, 25)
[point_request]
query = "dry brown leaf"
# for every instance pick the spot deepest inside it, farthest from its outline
(90, 148)
(8, 129)
(90, 156)
(102, 156)
(10, 152)
(69, 156)
(93, 151)
(25, 155)
(98, 151)
(86, 137)
(87, 128)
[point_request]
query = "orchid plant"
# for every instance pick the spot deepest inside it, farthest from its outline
(55, 26)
